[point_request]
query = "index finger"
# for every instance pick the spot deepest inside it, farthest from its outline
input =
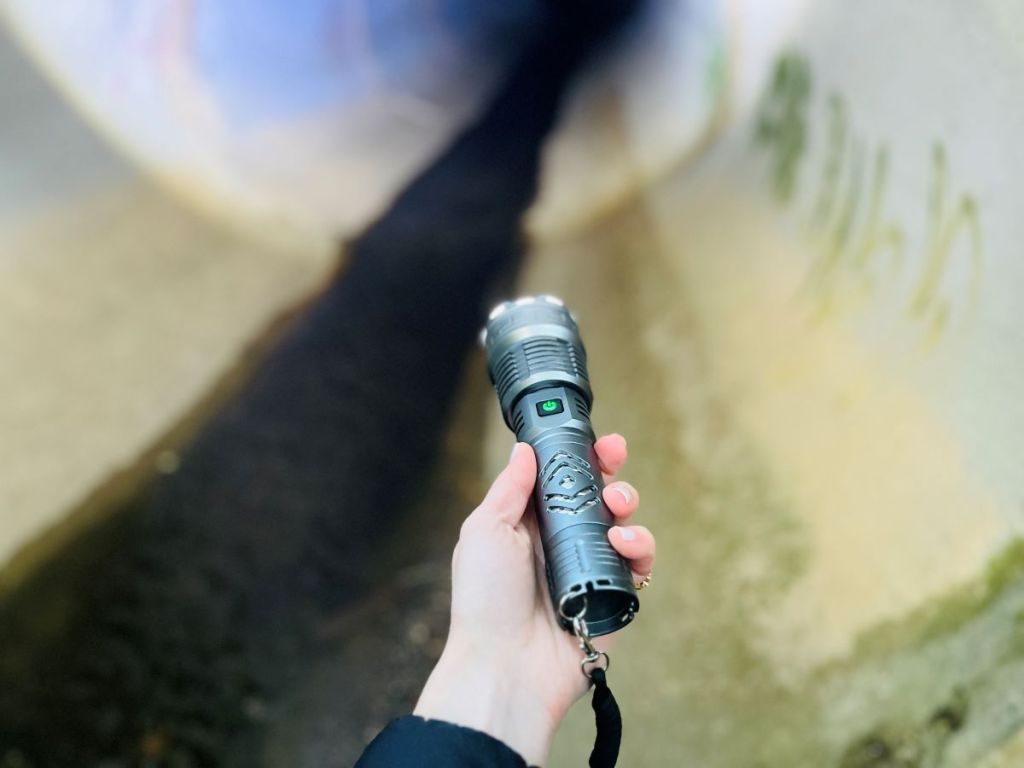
(611, 454)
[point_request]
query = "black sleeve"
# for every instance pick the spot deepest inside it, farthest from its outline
(412, 742)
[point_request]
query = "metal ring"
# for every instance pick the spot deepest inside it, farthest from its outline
(561, 607)
(595, 660)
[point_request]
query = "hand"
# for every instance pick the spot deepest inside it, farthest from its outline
(508, 668)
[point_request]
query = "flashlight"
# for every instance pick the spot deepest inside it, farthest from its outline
(538, 366)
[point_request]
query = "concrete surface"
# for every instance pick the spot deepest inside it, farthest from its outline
(811, 341)
(119, 308)
(812, 337)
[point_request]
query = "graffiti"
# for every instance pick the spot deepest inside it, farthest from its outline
(859, 245)
(851, 254)
(946, 224)
(782, 124)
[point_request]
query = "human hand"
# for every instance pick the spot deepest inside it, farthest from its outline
(508, 669)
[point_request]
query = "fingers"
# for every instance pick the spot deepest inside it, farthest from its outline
(621, 499)
(611, 453)
(636, 544)
(511, 490)
(510, 493)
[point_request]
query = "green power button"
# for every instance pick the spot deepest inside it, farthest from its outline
(549, 407)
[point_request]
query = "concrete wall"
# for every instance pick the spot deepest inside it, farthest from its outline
(801, 311)
(811, 336)
(120, 310)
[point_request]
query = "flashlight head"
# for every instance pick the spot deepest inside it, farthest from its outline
(533, 343)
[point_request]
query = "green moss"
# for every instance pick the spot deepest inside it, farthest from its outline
(952, 612)
(917, 746)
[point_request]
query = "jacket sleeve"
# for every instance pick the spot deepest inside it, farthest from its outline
(412, 742)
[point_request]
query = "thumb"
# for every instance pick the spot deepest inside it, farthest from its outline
(511, 490)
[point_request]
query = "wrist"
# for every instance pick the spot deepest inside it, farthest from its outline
(477, 690)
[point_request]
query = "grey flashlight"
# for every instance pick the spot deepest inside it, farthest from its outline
(538, 366)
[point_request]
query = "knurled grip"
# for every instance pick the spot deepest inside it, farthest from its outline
(582, 567)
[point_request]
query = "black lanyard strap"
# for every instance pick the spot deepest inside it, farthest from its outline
(607, 716)
(608, 720)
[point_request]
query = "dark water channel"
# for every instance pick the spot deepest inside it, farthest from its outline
(263, 604)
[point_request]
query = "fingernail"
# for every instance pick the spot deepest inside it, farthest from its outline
(623, 492)
(513, 454)
(627, 534)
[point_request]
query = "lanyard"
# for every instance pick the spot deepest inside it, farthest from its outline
(607, 717)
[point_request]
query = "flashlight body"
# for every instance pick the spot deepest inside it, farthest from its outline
(538, 365)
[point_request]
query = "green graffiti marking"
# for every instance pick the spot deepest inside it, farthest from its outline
(832, 262)
(945, 224)
(861, 247)
(879, 234)
(838, 129)
(782, 124)
(848, 267)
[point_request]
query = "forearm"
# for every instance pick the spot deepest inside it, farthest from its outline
(469, 689)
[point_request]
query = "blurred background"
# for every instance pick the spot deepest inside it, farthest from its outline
(245, 249)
